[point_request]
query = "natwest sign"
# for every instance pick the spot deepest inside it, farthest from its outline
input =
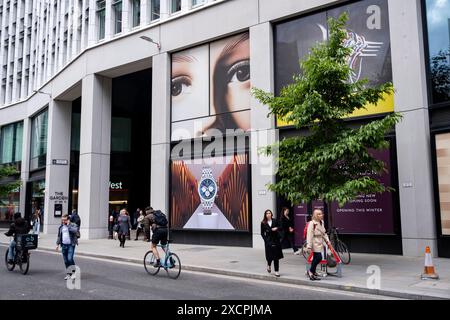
(116, 185)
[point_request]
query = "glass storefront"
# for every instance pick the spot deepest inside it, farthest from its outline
(9, 205)
(438, 25)
(38, 154)
(11, 143)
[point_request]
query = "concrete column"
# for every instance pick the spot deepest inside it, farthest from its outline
(95, 148)
(263, 131)
(160, 155)
(109, 20)
(25, 170)
(127, 18)
(145, 12)
(413, 133)
(93, 24)
(164, 9)
(57, 176)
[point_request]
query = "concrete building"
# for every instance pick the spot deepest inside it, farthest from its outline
(98, 97)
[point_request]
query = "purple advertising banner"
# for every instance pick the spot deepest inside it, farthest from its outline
(300, 219)
(371, 213)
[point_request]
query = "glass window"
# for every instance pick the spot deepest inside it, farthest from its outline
(39, 140)
(175, 6)
(197, 2)
(136, 12)
(155, 8)
(9, 204)
(117, 11)
(101, 19)
(11, 143)
(75, 134)
(438, 22)
(120, 134)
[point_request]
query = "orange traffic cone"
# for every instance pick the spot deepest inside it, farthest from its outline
(429, 272)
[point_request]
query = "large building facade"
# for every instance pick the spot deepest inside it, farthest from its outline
(111, 104)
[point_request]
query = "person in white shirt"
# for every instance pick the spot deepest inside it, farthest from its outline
(67, 239)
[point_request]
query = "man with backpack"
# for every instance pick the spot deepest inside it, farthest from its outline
(159, 228)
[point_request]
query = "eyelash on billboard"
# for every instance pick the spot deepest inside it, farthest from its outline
(236, 66)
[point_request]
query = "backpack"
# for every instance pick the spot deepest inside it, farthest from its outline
(160, 218)
(305, 231)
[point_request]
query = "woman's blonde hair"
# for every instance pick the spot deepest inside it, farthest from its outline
(315, 213)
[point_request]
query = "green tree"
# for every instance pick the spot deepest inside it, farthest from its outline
(5, 172)
(331, 161)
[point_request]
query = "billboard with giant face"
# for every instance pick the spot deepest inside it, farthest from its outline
(367, 36)
(211, 193)
(210, 88)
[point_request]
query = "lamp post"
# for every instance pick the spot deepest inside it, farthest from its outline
(151, 40)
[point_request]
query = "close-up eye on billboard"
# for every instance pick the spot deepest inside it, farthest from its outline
(210, 88)
(210, 193)
(368, 37)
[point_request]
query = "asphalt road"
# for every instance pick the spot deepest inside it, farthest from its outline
(104, 279)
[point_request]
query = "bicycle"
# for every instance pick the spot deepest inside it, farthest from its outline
(171, 262)
(339, 246)
(24, 243)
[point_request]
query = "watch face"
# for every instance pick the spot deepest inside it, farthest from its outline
(207, 189)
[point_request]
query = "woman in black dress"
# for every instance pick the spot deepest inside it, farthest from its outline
(270, 232)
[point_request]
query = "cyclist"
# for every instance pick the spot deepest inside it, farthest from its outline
(159, 227)
(19, 226)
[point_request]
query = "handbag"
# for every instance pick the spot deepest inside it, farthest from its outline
(116, 227)
(331, 261)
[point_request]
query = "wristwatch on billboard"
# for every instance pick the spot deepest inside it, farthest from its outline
(207, 190)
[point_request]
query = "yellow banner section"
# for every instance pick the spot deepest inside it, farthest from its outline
(384, 106)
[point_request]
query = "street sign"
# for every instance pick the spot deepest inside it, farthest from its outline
(61, 162)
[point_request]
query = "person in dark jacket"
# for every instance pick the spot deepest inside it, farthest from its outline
(19, 226)
(124, 226)
(67, 239)
(270, 232)
(287, 224)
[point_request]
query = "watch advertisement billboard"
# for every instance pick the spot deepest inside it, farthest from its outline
(210, 193)
(210, 88)
(367, 35)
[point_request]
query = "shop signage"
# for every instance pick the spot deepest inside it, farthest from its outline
(115, 185)
(60, 162)
(59, 197)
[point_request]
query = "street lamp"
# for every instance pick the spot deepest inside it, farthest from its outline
(151, 40)
(39, 91)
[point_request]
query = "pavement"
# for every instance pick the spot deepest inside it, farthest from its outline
(399, 275)
(101, 279)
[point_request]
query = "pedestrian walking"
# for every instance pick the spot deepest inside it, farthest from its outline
(129, 224)
(36, 221)
(67, 239)
(270, 232)
(111, 226)
(287, 225)
(124, 227)
(315, 237)
(140, 224)
(135, 217)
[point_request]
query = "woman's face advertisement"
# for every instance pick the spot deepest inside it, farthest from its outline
(211, 86)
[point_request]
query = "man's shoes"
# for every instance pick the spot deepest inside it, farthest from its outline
(157, 264)
(297, 252)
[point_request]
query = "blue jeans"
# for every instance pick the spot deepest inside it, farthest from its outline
(68, 251)
(12, 247)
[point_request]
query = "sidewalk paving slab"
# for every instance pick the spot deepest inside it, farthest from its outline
(400, 276)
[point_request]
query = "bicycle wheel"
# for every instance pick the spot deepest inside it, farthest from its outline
(173, 266)
(9, 266)
(24, 263)
(149, 263)
(343, 252)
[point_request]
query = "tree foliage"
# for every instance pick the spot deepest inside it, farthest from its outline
(332, 162)
(8, 171)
